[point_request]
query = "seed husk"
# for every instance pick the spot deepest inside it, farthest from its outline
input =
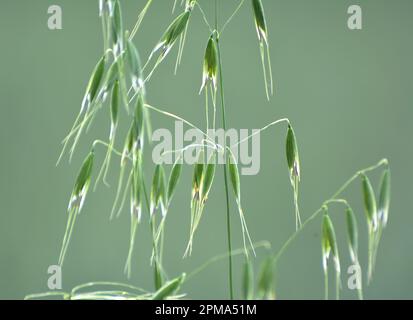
(382, 218)
(262, 32)
(174, 30)
(293, 162)
(352, 235)
(128, 145)
(196, 177)
(329, 244)
(292, 153)
(352, 232)
(111, 76)
(114, 107)
(169, 288)
(165, 44)
(94, 83)
(117, 26)
(140, 118)
(260, 22)
(325, 242)
(329, 233)
(82, 182)
(173, 179)
(369, 198)
(162, 192)
(248, 281)
(210, 66)
(154, 199)
(76, 202)
(384, 197)
(266, 280)
(158, 278)
(234, 177)
(207, 179)
(135, 66)
(135, 213)
(236, 187)
(137, 192)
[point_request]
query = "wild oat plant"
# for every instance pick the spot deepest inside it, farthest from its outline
(118, 81)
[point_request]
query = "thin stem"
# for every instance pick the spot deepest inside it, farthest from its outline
(189, 147)
(166, 113)
(264, 244)
(261, 130)
(46, 295)
(206, 110)
(107, 145)
(221, 82)
(204, 16)
(232, 16)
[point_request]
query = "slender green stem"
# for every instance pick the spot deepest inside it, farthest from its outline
(261, 130)
(261, 244)
(107, 145)
(204, 16)
(232, 16)
(171, 115)
(105, 283)
(221, 82)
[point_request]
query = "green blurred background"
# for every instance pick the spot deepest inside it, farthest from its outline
(348, 93)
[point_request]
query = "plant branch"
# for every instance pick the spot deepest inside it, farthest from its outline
(232, 16)
(261, 130)
(264, 244)
(382, 162)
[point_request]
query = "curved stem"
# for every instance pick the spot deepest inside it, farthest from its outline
(232, 16)
(168, 114)
(107, 145)
(221, 82)
(261, 130)
(264, 244)
(204, 16)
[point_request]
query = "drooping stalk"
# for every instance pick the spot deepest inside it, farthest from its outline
(228, 218)
(332, 199)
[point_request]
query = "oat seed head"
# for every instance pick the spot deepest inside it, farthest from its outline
(210, 66)
(260, 22)
(384, 197)
(94, 83)
(82, 183)
(352, 234)
(369, 198)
